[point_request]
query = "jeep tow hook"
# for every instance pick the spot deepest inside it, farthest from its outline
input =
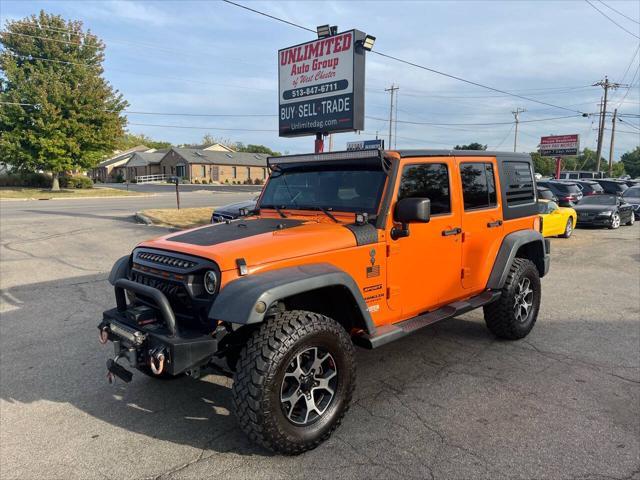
(156, 362)
(104, 336)
(115, 370)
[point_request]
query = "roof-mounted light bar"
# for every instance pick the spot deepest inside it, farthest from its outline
(272, 162)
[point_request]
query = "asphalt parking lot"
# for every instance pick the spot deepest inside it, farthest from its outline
(450, 401)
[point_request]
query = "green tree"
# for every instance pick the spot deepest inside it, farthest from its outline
(631, 162)
(130, 140)
(58, 112)
(240, 147)
(543, 165)
(471, 146)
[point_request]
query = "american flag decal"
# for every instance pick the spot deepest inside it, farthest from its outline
(373, 271)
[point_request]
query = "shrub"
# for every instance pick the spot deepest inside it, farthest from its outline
(75, 181)
(119, 178)
(196, 181)
(226, 180)
(37, 180)
(257, 181)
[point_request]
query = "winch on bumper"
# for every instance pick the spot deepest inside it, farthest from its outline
(149, 344)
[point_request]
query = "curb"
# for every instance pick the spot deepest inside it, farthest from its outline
(141, 218)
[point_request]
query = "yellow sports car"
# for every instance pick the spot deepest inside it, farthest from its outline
(556, 220)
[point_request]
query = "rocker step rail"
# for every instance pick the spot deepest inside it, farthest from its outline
(389, 333)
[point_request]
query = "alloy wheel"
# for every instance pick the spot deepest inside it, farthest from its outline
(308, 386)
(523, 300)
(615, 221)
(568, 229)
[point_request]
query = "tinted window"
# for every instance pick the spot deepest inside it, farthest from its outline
(546, 194)
(595, 187)
(430, 180)
(346, 188)
(478, 185)
(632, 192)
(567, 188)
(519, 183)
(599, 200)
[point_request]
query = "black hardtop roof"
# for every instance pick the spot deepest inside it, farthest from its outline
(463, 153)
(329, 156)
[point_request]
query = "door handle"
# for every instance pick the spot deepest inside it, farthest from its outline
(497, 223)
(453, 231)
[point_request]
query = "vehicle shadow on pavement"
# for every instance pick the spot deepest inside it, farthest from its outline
(126, 217)
(411, 389)
(69, 368)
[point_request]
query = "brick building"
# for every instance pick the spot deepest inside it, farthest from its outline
(214, 165)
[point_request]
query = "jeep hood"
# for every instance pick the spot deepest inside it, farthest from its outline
(257, 240)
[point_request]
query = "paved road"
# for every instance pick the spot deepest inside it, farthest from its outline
(448, 402)
(168, 188)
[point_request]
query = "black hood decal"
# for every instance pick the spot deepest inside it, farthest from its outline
(235, 230)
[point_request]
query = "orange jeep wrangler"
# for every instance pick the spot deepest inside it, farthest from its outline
(345, 248)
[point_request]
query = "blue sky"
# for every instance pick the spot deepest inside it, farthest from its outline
(208, 57)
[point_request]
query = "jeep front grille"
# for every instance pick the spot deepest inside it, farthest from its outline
(165, 260)
(175, 292)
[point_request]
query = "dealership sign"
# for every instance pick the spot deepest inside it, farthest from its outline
(321, 86)
(365, 145)
(560, 145)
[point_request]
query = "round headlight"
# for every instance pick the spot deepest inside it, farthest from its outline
(210, 282)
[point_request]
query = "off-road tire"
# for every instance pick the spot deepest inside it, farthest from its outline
(568, 229)
(500, 316)
(260, 372)
(632, 220)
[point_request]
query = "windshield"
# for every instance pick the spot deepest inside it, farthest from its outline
(632, 192)
(599, 200)
(567, 187)
(349, 187)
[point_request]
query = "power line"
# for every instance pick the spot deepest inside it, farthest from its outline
(178, 114)
(504, 139)
(135, 72)
(477, 124)
(432, 70)
(620, 13)
(208, 127)
(612, 20)
(269, 16)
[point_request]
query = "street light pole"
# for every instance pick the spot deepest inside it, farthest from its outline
(516, 114)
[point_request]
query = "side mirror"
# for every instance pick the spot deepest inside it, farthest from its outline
(410, 210)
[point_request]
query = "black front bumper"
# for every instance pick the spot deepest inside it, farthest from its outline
(139, 343)
(594, 221)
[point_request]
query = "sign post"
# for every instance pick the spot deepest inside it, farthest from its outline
(321, 86)
(559, 146)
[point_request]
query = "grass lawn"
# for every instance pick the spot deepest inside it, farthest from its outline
(183, 218)
(45, 194)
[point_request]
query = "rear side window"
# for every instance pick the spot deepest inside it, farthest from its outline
(519, 183)
(478, 185)
(567, 188)
(596, 187)
(428, 180)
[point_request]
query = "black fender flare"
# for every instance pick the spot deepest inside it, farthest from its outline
(507, 253)
(236, 302)
(120, 269)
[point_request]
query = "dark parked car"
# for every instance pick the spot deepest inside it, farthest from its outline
(631, 182)
(606, 210)
(545, 194)
(233, 210)
(567, 192)
(589, 187)
(612, 185)
(632, 197)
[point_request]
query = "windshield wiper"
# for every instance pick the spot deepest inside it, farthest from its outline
(323, 210)
(276, 208)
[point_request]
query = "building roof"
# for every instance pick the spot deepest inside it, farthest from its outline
(123, 155)
(142, 159)
(194, 155)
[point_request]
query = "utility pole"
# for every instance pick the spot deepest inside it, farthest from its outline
(392, 90)
(606, 85)
(613, 136)
(516, 114)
